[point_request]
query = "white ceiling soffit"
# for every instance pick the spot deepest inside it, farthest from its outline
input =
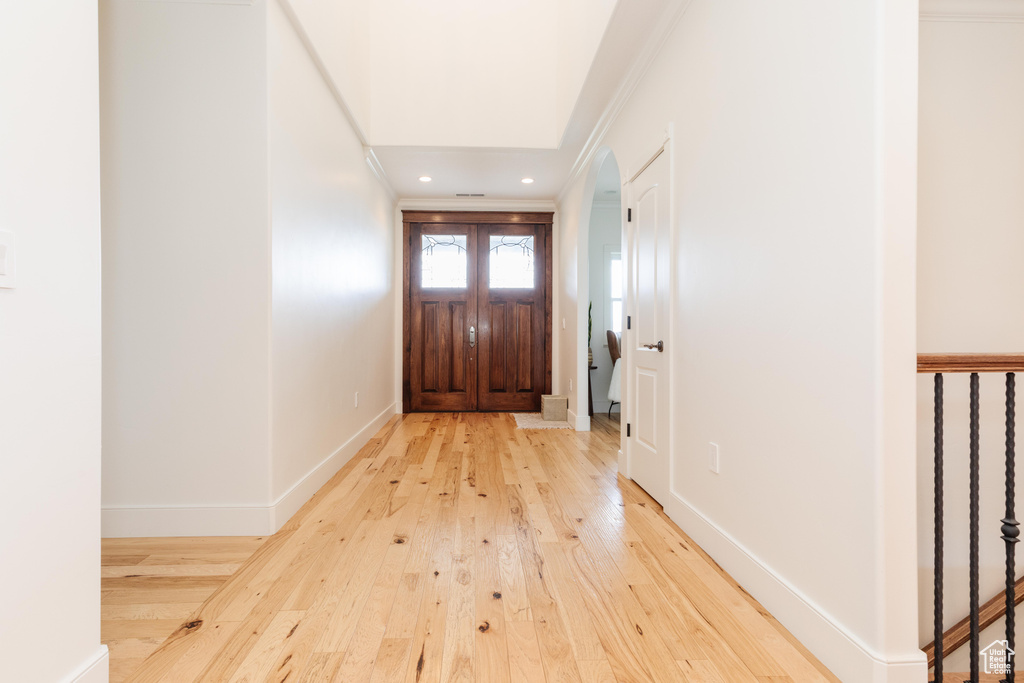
(635, 32)
(495, 173)
(994, 11)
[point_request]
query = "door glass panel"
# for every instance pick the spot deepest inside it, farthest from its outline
(444, 262)
(511, 262)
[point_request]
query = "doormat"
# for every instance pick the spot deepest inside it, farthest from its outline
(535, 421)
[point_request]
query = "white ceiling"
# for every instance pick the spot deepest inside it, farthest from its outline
(497, 173)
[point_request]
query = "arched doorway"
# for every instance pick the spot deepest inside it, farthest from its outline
(601, 291)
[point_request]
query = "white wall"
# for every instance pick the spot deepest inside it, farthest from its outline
(50, 344)
(605, 234)
(333, 278)
(792, 345)
(569, 281)
(186, 242)
(970, 279)
(248, 266)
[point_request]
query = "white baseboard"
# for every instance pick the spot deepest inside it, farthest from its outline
(581, 423)
(294, 498)
(843, 653)
(135, 522)
(95, 670)
(255, 520)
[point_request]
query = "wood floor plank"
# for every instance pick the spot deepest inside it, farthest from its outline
(458, 659)
(579, 622)
(514, 600)
(491, 662)
(257, 664)
(633, 646)
(700, 671)
(597, 671)
(135, 617)
(452, 547)
(389, 665)
(555, 645)
(723, 616)
(361, 653)
(524, 653)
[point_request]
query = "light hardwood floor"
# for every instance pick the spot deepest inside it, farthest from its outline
(151, 585)
(456, 547)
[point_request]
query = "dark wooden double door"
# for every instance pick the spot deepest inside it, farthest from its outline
(477, 321)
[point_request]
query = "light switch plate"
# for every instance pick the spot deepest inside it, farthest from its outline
(8, 266)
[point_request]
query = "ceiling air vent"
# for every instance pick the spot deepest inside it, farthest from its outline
(465, 194)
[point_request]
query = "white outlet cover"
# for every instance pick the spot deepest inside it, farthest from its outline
(713, 461)
(8, 265)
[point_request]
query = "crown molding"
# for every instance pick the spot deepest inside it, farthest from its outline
(307, 42)
(382, 177)
(973, 11)
(671, 18)
(456, 204)
(371, 158)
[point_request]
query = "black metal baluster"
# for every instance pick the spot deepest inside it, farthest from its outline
(1010, 525)
(975, 467)
(938, 527)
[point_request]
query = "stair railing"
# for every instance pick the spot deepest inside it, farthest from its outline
(975, 364)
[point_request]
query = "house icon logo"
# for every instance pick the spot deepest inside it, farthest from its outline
(996, 657)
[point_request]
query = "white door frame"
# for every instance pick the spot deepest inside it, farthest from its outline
(632, 172)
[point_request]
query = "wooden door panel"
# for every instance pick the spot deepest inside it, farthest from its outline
(444, 357)
(430, 357)
(458, 357)
(508, 332)
(441, 371)
(442, 366)
(512, 323)
(495, 340)
(525, 343)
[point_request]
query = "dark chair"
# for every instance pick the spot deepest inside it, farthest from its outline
(613, 351)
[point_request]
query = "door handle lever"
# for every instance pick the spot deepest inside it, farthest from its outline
(660, 346)
(472, 336)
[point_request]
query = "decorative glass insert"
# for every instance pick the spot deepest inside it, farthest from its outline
(444, 262)
(511, 262)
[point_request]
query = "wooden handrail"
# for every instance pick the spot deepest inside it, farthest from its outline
(960, 633)
(970, 362)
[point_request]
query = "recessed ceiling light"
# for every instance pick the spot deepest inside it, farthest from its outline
(527, 180)
(425, 179)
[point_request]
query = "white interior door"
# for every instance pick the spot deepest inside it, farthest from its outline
(648, 377)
